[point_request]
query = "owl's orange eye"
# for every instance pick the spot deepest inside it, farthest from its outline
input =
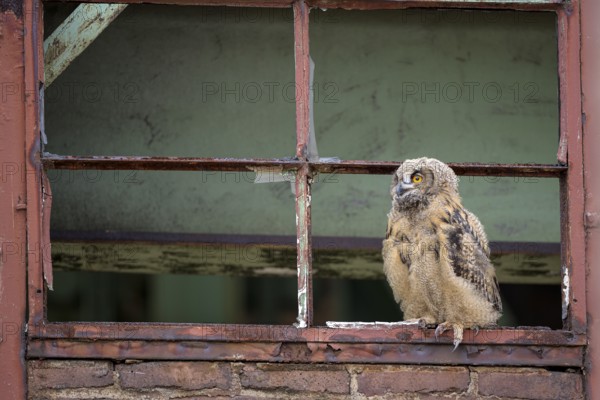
(417, 178)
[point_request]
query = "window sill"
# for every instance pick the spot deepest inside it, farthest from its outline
(523, 346)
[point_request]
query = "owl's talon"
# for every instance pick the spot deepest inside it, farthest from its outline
(456, 328)
(441, 328)
(455, 342)
(476, 329)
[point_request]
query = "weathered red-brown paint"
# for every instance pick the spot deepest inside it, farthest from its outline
(302, 73)
(36, 247)
(310, 352)
(94, 331)
(12, 202)
(303, 190)
(590, 65)
(573, 234)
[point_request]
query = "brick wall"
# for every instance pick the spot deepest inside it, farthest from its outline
(60, 379)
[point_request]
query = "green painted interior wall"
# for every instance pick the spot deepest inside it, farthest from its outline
(219, 82)
(388, 86)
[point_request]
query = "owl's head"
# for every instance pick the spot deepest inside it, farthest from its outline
(416, 182)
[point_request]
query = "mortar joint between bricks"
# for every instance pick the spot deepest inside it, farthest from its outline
(237, 369)
(473, 388)
(354, 371)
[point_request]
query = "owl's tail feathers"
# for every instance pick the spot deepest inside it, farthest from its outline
(456, 328)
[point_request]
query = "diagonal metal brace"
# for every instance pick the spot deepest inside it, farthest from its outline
(75, 34)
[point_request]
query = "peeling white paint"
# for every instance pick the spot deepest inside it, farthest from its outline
(312, 152)
(566, 288)
(301, 306)
(300, 324)
(270, 175)
(360, 324)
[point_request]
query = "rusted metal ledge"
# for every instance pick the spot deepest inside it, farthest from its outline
(53, 161)
(333, 352)
(465, 169)
(286, 343)
(405, 334)
(229, 3)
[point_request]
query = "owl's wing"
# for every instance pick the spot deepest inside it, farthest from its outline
(468, 254)
(473, 222)
(396, 263)
(403, 249)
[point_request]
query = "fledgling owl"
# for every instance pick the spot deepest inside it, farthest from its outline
(436, 254)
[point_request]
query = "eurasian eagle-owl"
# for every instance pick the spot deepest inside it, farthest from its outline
(436, 254)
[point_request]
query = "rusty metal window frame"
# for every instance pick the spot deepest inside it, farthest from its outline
(305, 342)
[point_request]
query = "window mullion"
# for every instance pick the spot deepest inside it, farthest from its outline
(303, 222)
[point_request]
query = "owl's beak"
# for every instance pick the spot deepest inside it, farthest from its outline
(403, 187)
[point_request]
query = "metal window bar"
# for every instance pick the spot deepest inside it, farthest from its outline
(53, 161)
(528, 5)
(60, 340)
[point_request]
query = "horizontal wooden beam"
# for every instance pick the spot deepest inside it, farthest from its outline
(346, 258)
(53, 161)
(534, 5)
